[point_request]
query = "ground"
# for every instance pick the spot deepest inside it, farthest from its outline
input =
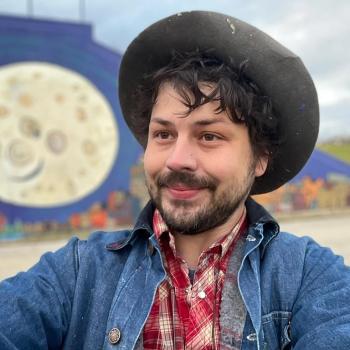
(330, 230)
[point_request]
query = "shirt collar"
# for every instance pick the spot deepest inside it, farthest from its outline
(161, 231)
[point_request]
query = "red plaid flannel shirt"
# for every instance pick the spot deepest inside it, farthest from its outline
(186, 316)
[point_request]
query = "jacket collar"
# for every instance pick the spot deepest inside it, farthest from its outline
(261, 224)
(143, 226)
(145, 218)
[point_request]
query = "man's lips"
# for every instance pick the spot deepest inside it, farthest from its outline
(183, 192)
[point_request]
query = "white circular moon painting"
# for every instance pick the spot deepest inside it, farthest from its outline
(58, 135)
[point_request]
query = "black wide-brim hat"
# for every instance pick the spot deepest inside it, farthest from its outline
(279, 74)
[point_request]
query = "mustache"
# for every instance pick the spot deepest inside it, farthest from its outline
(188, 179)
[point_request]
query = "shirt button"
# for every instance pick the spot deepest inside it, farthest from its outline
(202, 294)
(114, 335)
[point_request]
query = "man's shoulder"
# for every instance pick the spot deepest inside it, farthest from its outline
(291, 242)
(301, 250)
(107, 237)
(103, 240)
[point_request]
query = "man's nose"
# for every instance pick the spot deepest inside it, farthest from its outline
(182, 156)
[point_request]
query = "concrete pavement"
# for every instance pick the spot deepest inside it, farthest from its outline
(331, 231)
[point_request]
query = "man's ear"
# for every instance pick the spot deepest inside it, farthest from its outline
(261, 166)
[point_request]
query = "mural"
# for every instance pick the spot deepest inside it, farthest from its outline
(65, 151)
(323, 184)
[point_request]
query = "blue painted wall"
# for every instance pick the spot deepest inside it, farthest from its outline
(71, 46)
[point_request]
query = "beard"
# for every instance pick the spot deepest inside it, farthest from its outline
(190, 218)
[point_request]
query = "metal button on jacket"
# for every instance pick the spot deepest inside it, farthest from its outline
(252, 337)
(251, 238)
(114, 335)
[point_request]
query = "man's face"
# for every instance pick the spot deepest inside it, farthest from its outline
(199, 167)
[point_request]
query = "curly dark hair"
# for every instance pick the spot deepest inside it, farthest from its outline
(235, 92)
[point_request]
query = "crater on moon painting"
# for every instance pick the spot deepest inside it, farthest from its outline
(58, 135)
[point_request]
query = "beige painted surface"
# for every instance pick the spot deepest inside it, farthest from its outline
(329, 231)
(15, 257)
(333, 232)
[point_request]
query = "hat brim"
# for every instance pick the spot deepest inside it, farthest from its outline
(279, 73)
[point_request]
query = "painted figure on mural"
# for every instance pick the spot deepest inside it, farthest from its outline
(223, 112)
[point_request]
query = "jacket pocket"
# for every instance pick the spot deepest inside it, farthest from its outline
(276, 327)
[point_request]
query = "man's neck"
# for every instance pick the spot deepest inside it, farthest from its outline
(190, 247)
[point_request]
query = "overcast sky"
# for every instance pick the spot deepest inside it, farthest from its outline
(316, 30)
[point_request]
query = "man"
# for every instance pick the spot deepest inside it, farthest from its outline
(223, 111)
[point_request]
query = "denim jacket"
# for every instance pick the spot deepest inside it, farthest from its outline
(297, 294)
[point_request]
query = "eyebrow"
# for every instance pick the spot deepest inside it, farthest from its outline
(161, 121)
(203, 122)
(206, 122)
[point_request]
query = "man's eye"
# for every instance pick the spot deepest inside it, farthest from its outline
(210, 137)
(163, 135)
